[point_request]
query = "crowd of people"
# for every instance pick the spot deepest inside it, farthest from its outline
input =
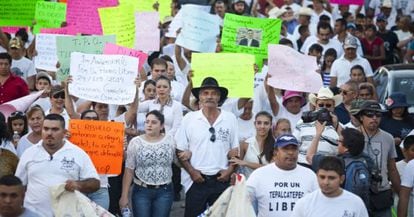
(337, 152)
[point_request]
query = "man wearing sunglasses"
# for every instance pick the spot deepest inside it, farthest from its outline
(379, 145)
(209, 134)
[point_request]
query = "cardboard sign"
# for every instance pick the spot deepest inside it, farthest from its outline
(17, 12)
(46, 57)
(49, 15)
(115, 49)
(147, 33)
(103, 141)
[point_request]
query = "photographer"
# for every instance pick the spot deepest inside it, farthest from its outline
(325, 102)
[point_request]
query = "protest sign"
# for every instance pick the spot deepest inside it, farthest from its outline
(85, 44)
(199, 32)
(46, 57)
(49, 15)
(115, 49)
(292, 70)
(164, 6)
(84, 15)
(251, 35)
(103, 78)
(233, 71)
(11, 29)
(103, 141)
(147, 33)
(348, 2)
(119, 21)
(67, 30)
(17, 12)
(178, 20)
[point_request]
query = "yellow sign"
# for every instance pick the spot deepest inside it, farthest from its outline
(164, 6)
(119, 21)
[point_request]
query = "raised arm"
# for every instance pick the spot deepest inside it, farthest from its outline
(70, 108)
(271, 96)
(315, 142)
(131, 114)
(179, 58)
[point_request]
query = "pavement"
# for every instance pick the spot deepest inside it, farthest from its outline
(177, 209)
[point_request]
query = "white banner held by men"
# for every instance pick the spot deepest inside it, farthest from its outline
(291, 70)
(103, 78)
(199, 32)
(46, 57)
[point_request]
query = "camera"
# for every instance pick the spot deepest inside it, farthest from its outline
(320, 115)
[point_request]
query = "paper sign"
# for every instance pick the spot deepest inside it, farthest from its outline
(119, 21)
(84, 15)
(103, 141)
(49, 15)
(115, 49)
(178, 20)
(67, 30)
(17, 12)
(147, 33)
(242, 34)
(233, 71)
(46, 57)
(164, 8)
(11, 30)
(85, 44)
(199, 32)
(348, 2)
(292, 70)
(103, 78)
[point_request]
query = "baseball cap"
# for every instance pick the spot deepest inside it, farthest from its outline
(350, 42)
(370, 105)
(356, 106)
(15, 43)
(285, 140)
(43, 74)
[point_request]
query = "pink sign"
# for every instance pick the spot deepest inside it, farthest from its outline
(11, 30)
(115, 49)
(67, 30)
(84, 15)
(147, 33)
(348, 2)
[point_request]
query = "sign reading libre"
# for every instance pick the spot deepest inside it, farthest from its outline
(102, 141)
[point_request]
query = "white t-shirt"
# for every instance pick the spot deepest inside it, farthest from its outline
(316, 204)
(24, 143)
(23, 68)
(274, 191)
(407, 180)
(38, 170)
(333, 43)
(246, 128)
(8, 145)
(341, 68)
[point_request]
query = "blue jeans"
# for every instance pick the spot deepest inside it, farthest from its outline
(100, 197)
(152, 202)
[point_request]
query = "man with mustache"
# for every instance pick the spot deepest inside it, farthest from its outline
(54, 161)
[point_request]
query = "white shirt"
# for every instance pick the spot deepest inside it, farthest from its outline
(316, 204)
(8, 145)
(23, 68)
(341, 68)
(407, 180)
(246, 128)
(333, 43)
(274, 191)
(207, 156)
(376, 5)
(38, 170)
(24, 143)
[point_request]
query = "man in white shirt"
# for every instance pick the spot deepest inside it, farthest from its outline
(21, 66)
(275, 188)
(331, 200)
(51, 162)
(341, 67)
(323, 38)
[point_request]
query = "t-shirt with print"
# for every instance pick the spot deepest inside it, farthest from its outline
(316, 204)
(23, 68)
(274, 191)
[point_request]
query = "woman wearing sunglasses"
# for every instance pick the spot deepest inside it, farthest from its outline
(57, 99)
(35, 116)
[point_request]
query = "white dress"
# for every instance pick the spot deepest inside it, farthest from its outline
(252, 155)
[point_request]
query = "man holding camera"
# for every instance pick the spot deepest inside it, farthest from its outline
(379, 145)
(325, 102)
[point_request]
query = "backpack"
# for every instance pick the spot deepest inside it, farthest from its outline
(357, 178)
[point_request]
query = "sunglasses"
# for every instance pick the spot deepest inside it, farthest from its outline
(213, 134)
(322, 105)
(59, 95)
(371, 114)
(17, 114)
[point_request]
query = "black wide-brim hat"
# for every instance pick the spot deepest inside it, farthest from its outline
(210, 82)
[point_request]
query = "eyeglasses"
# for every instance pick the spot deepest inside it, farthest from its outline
(213, 134)
(371, 114)
(59, 95)
(17, 114)
(322, 105)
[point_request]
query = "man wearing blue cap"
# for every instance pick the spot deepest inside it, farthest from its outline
(275, 188)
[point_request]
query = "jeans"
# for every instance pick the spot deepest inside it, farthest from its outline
(100, 197)
(202, 195)
(152, 202)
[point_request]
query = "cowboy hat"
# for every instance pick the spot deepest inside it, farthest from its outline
(210, 82)
(325, 93)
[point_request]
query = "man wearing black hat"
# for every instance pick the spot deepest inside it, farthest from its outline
(379, 145)
(209, 134)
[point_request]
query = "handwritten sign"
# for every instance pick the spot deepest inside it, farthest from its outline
(84, 15)
(49, 15)
(103, 78)
(199, 32)
(147, 33)
(164, 8)
(46, 57)
(17, 12)
(233, 71)
(67, 30)
(103, 141)
(85, 44)
(178, 21)
(115, 49)
(292, 70)
(119, 21)
(348, 2)
(250, 35)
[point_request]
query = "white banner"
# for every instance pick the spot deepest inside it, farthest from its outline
(46, 57)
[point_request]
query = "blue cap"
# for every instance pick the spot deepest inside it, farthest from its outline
(286, 139)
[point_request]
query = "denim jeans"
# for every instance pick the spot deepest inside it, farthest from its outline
(152, 202)
(100, 197)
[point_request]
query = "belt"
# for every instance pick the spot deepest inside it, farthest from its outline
(209, 177)
(143, 184)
